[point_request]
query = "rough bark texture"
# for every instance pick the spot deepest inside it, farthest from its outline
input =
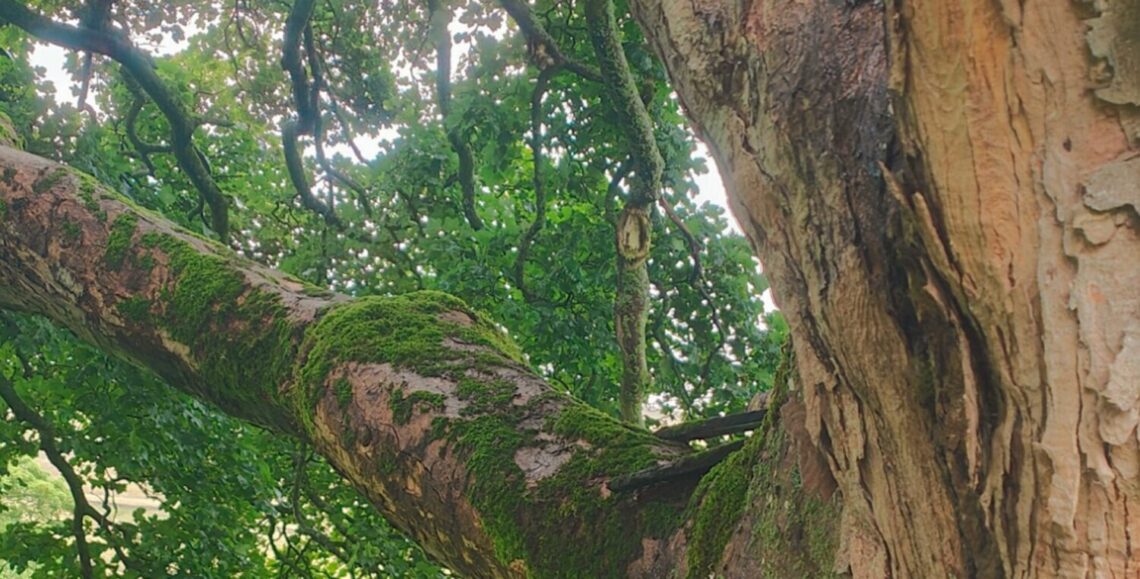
(417, 400)
(944, 194)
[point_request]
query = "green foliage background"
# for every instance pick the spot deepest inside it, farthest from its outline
(237, 501)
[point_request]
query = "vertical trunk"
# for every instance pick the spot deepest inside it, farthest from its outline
(946, 204)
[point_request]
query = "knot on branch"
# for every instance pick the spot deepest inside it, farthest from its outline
(633, 234)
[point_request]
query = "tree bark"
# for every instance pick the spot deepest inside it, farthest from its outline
(944, 197)
(417, 400)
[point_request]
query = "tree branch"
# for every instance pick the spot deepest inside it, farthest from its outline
(634, 230)
(689, 466)
(440, 18)
(712, 427)
(539, 186)
(537, 35)
(306, 99)
(138, 65)
(648, 164)
(402, 394)
(46, 433)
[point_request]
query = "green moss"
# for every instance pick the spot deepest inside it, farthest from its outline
(348, 435)
(49, 180)
(498, 485)
(206, 296)
(8, 135)
(343, 392)
(134, 309)
(408, 331)
(386, 463)
(606, 531)
(794, 534)
(718, 505)
(89, 202)
(439, 427)
(536, 524)
(485, 396)
(71, 230)
(146, 262)
(662, 519)
(403, 407)
(152, 240)
(566, 524)
(311, 290)
(3, 209)
(720, 498)
(88, 186)
(119, 241)
(597, 428)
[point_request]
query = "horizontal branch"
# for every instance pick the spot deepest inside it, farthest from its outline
(688, 466)
(422, 404)
(712, 427)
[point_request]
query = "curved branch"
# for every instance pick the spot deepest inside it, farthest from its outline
(46, 433)
(440, 17)
(539, 187)
(296, 167)
(139, 66)
(306, 99)
(82, 507)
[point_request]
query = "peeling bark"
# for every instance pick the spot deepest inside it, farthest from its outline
(943, 194)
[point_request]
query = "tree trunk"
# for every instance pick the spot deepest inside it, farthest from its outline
(944, 195)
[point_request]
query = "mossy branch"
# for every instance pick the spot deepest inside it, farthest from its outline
(634, 233)
(648, 163)
(424, 405)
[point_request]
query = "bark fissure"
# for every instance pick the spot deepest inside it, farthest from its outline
(937, 321)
